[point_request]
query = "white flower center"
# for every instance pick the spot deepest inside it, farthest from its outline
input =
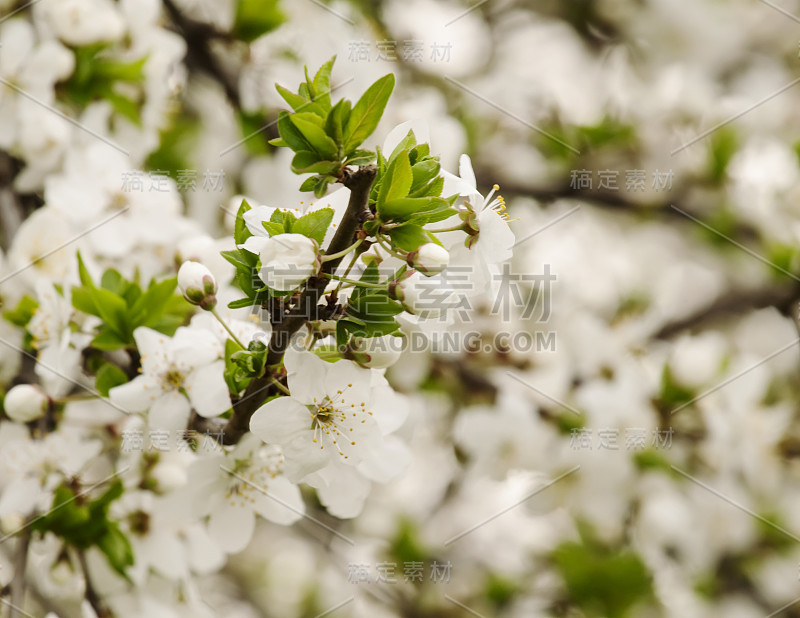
(252, 477)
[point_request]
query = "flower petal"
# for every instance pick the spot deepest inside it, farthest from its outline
(137, 395)
(389, 408)
(465, 171)
(255, 244)
(303, 456)
(393, 459)
(279, 421)
(170, 412)
(345, 492)
(306, 375)
(231, 526)
(208, 391)
(353, 382)
(194, 347)
(254, 217)
(152, 347)
(282, 503)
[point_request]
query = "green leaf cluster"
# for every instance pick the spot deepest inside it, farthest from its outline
(23, 312)
(602, 581)
(406, 194)
(324, 136)
(242, 365)
(96, 77)
(370, 312)
(84, 524)
(123, 306)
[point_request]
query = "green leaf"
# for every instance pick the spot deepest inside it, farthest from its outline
(371, 273)
(108, 377)
(322, 84)
(240, 303)
(409, 237)
(295, 101)
(367, 113)
(176, 313)
(150, 306)
(255, 18)
(373, 306)
(322, 186)
(284, 218)
(336, 121)
(83, 273)
(305, 162)
(404, 208)
(234, 377)
(23, 312)
(117, 549)
(603, 581)
(83, 301)
(360, 157)
(124, 106)
(108, 340)
(314, 224)
(361, 328)
(113, 311)
(291, 134)
(273, 229)
(240, 231)
(431, 189)
(396, 182)
(423, 172)
(407, 143)
(316, 136)
(309, 184)
(420, 152)
(432, 216)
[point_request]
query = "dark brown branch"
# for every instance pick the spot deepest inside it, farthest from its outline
(736, 303)
(359, 182)
(14, 206)
(91, 594)
(199, 55)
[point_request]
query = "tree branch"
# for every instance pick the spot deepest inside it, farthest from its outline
(199, 56)
(91, 594)
(359, 182)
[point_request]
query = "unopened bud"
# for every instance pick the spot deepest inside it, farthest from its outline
(198, 285)
(420, 295)
(429, 259)
(25, 403)
(376, 352)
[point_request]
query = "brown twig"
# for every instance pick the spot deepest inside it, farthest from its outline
(91, 594)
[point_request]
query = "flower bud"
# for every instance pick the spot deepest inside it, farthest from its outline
(376, 352)
(25, 403)
(287, 260)
(429, 259)
(168, 476)
(424, 296)
(198, 285)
